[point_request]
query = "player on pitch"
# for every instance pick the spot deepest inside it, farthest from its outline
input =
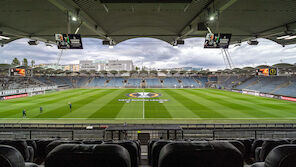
(70, 106)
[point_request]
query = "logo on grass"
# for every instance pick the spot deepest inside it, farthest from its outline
(144, 95)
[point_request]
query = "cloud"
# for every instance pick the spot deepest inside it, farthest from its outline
(154, 53)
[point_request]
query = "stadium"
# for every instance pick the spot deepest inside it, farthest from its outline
(168, 83)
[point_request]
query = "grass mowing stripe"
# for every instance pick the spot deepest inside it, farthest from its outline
(274, 103)
(155, 109)
(133, 109)
(175, 108)
(234, 106)
(29, 100)
(77, 102)
(34, 106)
(93, 103)
(199, 109)
(276, 110)
(112, 108)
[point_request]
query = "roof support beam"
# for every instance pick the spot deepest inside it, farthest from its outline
(275, 30)
(19, 34)
(189, 27)
(87, 21)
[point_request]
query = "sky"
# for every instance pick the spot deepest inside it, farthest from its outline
(154, 53)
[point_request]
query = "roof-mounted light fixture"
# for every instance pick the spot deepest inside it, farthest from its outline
(3, 37)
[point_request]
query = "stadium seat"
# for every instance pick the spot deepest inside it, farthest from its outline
(41, 150)
(239, 145)
(80, 155)
(11, 157)
(280, 156)
(92, 141)
(248, 146)
(150, 144)
(268, 145)
(20, 145)
(33, 144)
(31, 154)
(56, 143)
(256, 143)
(200, 154)
(156, 148)
(132, 148)
(257, 154)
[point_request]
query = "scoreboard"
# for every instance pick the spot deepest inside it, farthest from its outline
(18, 72)
(217, 41)
(68, 41)
(267, 71)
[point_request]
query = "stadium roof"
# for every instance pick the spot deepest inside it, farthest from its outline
(119, 20)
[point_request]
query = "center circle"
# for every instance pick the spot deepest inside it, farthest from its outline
(144, 95)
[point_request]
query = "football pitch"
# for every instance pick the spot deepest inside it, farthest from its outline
(147, 106)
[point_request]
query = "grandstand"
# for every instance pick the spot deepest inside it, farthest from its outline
(153, 83)
(99, 115)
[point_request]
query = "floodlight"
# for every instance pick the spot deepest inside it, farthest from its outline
(283, 37)
(4, 37)
(291, 37)
(74, 18)
(212, 18)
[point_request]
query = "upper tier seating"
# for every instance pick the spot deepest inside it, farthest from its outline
(115, 82)
(153, 83)
(189, 82)
(97, 82)
(171, 83)
(134, 83)
(282, 85)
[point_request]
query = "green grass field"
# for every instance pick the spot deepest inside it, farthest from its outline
(184, 106)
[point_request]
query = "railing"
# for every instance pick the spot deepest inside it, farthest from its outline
(186, 131)
(184, 126)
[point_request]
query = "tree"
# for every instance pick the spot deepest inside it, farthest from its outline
(143, 72)
(154, 72)
(25, 62)
(191, 73)
(137, 68)
(123, 71)
(133, 72)
(104, 72)
(93, 72)
(84, 72)
(173, 72)
(164, 71)
(182, 72)
(15, 62)
(32, 63)
(114, 72)
(68, 72)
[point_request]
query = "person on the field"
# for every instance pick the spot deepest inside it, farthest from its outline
(41, 110)
(70, 106)
(24, 113)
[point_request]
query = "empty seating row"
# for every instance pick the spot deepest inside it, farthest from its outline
(161, 153)
(164, 153)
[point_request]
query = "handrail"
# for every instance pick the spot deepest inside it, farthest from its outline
(184, 126)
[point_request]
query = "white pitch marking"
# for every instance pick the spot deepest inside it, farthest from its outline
(143, 106)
